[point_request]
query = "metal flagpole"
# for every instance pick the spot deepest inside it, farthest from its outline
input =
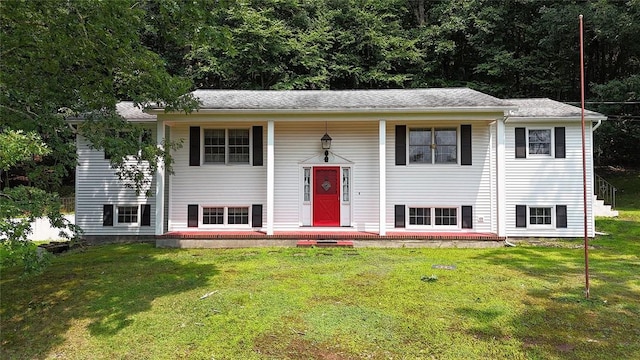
(584, 165)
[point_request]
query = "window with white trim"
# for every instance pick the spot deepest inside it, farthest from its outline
(419, 216)
(539, 141)
(433, 146)
(225, 215)
(127, 215)
(446, 216)
(238, 215)
(227, 146)
(213, 215)
(437, 216)
(540, 216)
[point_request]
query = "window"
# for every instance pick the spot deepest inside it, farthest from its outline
(239, 146)
(345, 184)
(238, 215)
(129, 142)
(229, 146)
(446, 216)
(214, 145)
(127, 214)
(220, 215)
(433, 216)
(307, 185)
(419, 216)
(433, 146)
(213, 215)
(540, 141)
(540, 216)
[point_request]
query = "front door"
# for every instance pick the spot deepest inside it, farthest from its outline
(326, 196)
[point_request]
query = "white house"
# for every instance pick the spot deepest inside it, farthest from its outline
(425, 163)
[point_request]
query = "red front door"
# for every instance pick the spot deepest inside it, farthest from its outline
(326, 196)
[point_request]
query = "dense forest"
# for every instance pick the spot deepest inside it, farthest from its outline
(60, 58)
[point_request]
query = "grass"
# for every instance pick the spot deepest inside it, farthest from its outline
(527, 302)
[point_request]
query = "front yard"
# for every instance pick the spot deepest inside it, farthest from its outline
(139, 302)
(117, 302)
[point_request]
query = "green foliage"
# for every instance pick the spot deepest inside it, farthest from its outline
(133, 154)
(64, 59)
(16, 146)
(19, 207)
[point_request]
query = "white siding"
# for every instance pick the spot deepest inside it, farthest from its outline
(213, 184)
(547, 182)
(443, 185)
(296, 142)
(98, 185)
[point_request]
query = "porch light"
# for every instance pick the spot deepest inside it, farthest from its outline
(326, 145)
(326, 141)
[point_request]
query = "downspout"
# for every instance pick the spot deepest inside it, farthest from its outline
(597, 125)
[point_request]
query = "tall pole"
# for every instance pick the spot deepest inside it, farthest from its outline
(584, 165)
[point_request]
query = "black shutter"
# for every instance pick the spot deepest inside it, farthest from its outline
(465, 145)
(257, 146)
(146, 215)
(560, 142)
(521, 216)
(400, 216)
(256, 215)
(192, 215)
(561, 216)
(107, 215)
(194, 146)
(521, 143)
(467, 217)
(401, 145)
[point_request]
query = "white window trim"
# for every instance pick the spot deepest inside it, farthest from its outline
(117, 211)
(551, 144)
(432, 214)
(226, 146)
(433, 134)
(226, 224)
(541, 226)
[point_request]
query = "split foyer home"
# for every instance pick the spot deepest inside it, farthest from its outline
(451, 162)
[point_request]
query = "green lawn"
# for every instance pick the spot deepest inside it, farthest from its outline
(139, 302)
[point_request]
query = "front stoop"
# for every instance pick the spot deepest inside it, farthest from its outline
(249, 239)
(601, 209)
(324, 243)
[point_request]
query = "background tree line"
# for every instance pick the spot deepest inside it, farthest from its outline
(78, 58)
(512, 48)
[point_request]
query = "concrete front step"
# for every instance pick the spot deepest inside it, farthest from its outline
(324, 243)
(601, 209)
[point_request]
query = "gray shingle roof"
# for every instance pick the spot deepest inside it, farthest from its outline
(127, 110)
(347, 99)
(547, 108)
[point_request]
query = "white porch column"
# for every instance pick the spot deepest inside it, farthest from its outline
(160, 181)
(382, 135)
(500, 177)
(270, 176)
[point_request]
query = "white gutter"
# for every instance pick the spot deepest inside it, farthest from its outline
(597, 125)
(447, 109)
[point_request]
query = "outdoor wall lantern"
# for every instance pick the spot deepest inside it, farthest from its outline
(326, 145)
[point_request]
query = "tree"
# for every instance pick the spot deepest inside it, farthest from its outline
(62, 59)
(21, 205)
